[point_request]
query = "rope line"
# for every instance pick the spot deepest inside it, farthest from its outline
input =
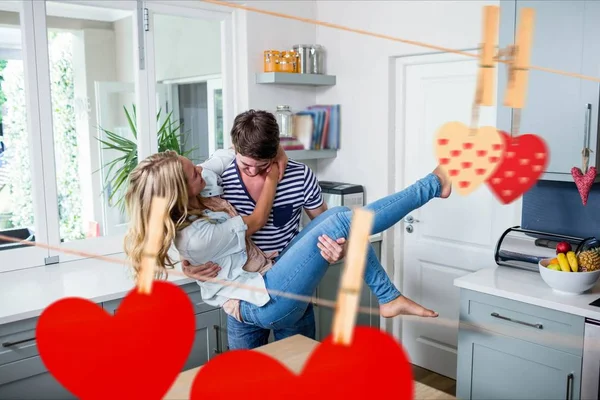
(391, 38)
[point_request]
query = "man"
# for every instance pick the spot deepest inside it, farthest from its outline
(255, 136)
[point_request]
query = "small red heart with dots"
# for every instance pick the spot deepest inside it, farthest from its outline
(136, 354)
(525, 159)
(584, 182)
(373, 366)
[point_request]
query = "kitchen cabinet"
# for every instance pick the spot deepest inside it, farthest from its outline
(328, 289)
(29, 379)
(565, 38)
(206, 339)
(494, 366)
(511, 350)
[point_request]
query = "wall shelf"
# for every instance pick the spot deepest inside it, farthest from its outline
(300, 155)
(286, 78)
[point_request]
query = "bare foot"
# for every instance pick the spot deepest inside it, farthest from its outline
(405, 306)
(444, 180)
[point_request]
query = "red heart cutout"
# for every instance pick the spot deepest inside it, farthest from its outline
(525, 161)
(136, 354)
(374, 365)
(584, 182)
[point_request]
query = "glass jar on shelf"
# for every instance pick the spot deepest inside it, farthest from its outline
(271, 60)
(288, 62)
(285, 118)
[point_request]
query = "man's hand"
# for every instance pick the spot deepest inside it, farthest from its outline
(281, 160)
(332, 250)
(200, 272)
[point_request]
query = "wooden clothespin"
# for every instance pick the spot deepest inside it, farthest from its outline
(154, 238)
(352, 278)
(519, 62)
(487, 64)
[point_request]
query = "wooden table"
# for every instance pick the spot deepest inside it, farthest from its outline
(293, 353)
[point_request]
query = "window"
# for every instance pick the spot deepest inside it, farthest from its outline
(71, 106)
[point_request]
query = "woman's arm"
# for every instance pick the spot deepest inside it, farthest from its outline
(260, 215)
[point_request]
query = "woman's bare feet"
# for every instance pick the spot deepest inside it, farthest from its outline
(444, 180)
(405, 306)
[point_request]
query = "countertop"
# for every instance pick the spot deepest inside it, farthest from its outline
(26, 293)
(293, 353)
(528, 287)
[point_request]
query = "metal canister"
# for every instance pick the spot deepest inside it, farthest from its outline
(317, 59)
(303, 58)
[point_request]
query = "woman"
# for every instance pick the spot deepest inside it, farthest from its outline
(207, 229)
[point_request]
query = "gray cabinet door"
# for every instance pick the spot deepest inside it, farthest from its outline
(591, 67)
(328, 289)
(554, 107)
(493, 366)
(206, 343)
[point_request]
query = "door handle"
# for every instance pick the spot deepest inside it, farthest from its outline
(409, 219)
(569, 384)
(218, 341)
(516, 321)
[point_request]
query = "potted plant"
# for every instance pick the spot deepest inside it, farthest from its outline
(169, 138)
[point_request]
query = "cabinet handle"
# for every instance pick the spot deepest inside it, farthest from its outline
(588, 125)
(496, 315)
(217, 350)
(569, 384)
(9, 344)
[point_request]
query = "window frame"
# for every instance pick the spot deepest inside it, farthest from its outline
(35, 56)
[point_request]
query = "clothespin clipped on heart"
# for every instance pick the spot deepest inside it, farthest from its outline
(153, 240)
(348, 296)
(472, 156)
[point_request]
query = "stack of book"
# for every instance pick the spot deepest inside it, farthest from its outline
(316, 128)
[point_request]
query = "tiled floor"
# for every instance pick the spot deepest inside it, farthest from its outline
(434, 380)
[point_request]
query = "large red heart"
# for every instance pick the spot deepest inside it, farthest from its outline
(374, 366)
(584, 182)
(525, 159)
(137, 354)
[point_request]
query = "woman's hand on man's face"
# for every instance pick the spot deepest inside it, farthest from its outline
(200, 272)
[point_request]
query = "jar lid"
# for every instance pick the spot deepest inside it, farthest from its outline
(280, 108)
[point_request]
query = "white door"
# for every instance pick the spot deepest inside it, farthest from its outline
(452, 237)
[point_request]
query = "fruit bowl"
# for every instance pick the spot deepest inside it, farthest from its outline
(567, 282)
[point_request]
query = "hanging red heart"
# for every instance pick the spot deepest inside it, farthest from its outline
(374, 366)
(525, 159)
(136, 354)
(584, 182)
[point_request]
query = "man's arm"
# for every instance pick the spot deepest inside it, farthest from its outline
(222, 158)
(314, 205)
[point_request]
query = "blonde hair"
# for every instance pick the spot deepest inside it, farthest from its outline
(159, 175)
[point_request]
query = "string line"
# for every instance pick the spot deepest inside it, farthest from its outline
(114, 260)
(565, 340)
(389, 37)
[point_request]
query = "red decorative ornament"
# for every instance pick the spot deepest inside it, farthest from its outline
(374, 366)
(136, 354)
(525, 159)
(584, 180)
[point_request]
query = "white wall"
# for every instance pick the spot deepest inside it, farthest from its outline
(265, 32)
(186, 47)
(362, 66)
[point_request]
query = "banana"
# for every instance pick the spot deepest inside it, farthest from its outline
(562, 261)
(572, 258)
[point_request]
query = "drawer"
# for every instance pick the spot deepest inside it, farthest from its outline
(551, 328)
(17, 341)
(29, 379)
(192, 290)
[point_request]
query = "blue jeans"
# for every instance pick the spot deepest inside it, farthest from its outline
(246, 336)
(301, 266)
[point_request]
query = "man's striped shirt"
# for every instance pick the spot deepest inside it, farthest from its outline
(298, 189)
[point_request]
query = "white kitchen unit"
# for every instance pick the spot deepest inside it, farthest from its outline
(518, 339)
